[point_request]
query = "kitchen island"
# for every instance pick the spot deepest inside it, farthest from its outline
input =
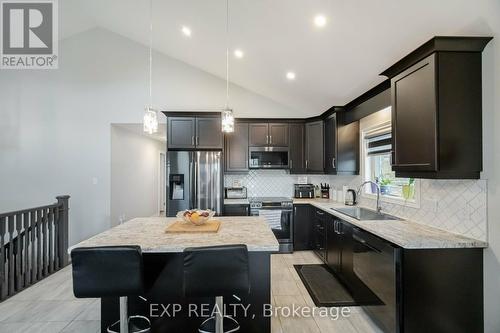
(163, 262)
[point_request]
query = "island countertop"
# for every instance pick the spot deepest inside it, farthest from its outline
(149, 234)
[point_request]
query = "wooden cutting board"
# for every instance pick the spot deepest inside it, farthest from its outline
(185, 227)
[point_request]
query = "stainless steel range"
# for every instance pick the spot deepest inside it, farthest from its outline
(278, 213)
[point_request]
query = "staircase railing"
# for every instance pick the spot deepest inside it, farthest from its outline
(33, 245)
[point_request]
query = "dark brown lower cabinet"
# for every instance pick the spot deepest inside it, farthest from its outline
(236, 210)
(302, 227)
(319, 233)
(403, 290)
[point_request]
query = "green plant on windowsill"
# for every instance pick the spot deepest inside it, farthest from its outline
(384, 185)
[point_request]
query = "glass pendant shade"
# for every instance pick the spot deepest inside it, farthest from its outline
(227, 121)
(150, 120)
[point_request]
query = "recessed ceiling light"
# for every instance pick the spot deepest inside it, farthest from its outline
(238, 53)
(320, 21)
(186, 31)
(290, 75)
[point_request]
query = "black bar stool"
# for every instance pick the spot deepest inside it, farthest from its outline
(111, 271)
(217, 271)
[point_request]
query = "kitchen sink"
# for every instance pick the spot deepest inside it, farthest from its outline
(360, 213)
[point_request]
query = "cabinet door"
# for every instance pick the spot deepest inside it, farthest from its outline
(334, 244)
(181, 132)
(302, 227)
(258, 134)
(348, 148)
(236, 210)
(278, 135)
(331, 145)
(209, 133)
(314, 147)
(320, 231)
(236, 149)
(296, 151)
(414, 118)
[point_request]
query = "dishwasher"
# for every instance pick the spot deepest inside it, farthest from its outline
(375, 263)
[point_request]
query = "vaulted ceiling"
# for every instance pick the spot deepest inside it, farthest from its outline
(333, 64)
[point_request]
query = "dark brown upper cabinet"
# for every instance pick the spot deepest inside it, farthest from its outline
(341, 146)
(268, 134)
(437, 109)
(314, 147)
(194, 132)
(278, 134)
(348, 138)
(236, 149)
(331, 145)
(297, 148)
(181, 132)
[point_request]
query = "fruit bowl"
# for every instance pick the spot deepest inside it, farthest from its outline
(195, 216)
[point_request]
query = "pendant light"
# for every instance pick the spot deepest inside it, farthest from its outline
(227, 115)
(150, 120)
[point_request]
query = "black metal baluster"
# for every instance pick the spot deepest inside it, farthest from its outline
(56, 237)
(44, 242)
(39, 244)
(11, 267)
(18, 254)
(3, 276)
(26, 257)
(51, 240)
(33, 220)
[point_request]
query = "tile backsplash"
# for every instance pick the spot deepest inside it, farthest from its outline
(458, 206)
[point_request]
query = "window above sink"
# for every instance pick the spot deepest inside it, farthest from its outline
(376, 163)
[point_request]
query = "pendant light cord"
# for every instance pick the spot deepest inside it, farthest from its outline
(227, 54)
(150, 53)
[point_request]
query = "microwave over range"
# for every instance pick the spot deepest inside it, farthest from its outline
(268, 158)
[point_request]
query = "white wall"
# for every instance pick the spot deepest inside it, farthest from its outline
(55, 135)
(135, 174)
(491, 151)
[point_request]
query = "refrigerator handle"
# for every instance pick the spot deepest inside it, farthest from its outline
(191, 183)
(196, 187)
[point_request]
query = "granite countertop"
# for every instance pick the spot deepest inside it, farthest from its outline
(236, 202)
(407, 234)
(149, 234)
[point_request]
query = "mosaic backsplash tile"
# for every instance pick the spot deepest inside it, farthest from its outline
(457, 206)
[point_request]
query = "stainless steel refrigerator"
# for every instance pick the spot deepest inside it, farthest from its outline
(194, 181)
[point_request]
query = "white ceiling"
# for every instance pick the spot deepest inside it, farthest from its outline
(333, 65)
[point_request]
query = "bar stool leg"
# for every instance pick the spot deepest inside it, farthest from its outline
(219, 316)
(124, 315)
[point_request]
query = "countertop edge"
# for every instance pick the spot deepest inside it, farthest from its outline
(462, 242)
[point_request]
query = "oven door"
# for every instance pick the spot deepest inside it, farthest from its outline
(282, 230)
(268, 158)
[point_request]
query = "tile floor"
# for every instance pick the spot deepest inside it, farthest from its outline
(50, 306)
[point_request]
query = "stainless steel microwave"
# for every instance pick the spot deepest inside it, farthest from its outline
(268, 158)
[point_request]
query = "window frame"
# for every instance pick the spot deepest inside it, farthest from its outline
(414, 203)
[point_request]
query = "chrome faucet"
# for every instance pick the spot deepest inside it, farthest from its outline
(379, 208)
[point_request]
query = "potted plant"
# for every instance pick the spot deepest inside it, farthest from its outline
(384, 185)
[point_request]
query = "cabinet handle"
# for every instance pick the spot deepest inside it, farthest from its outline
(197, 140)
(270, 139)
(319, 213)
(307, 164)
(291, 164)
(333, 162)
(192, 140)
